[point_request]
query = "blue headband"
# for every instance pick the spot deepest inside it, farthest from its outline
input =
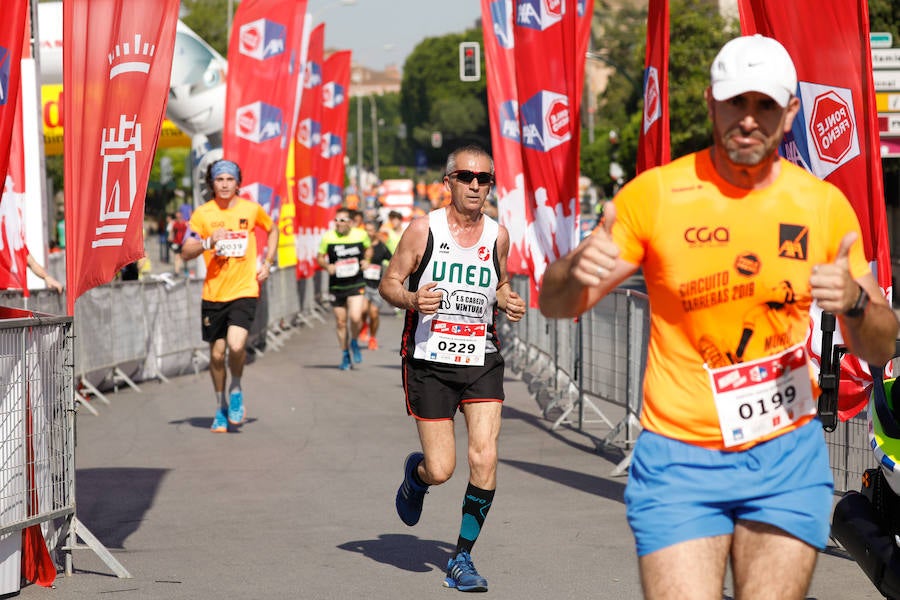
(225, 167)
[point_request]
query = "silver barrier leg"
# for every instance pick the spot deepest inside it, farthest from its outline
(198, 357)
(93, 390)
(628, 421)
(119, 375)
(86, 403)
(78, 530)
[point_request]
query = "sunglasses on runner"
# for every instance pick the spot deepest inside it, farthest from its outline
(342, 220)
(466, 176)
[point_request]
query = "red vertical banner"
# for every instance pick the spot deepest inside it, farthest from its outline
(498, 17)
(12, 34)
(13, 251)
(654, 145)
(835, 135)
(335, 113)
(117, 58)
(265, 59)
(307, 150)
(551, 38)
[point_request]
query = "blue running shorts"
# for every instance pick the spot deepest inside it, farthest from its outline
(678, 491)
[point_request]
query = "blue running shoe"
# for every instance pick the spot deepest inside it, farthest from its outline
(461, 574)
(236, 412)
(220, 423)
(411, 495)
(345, 362)
(357, 355)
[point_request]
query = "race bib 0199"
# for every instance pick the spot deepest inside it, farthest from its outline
(757, 398)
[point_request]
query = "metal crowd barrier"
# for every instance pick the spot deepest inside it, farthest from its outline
(570, 364)
(135, 331)
(37, 433)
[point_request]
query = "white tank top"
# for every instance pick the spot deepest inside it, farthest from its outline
(467, 278)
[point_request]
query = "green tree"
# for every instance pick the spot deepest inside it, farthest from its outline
(432, 97)
(697, 31)
(884, 15)
(209, 20)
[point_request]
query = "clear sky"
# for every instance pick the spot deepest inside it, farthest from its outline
(383, 32)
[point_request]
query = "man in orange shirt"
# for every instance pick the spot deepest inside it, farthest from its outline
(222, 231)
(735, 244)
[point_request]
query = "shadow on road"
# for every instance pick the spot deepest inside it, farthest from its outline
(403, 551)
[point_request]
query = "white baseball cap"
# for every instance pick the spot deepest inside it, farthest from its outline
(753, 63)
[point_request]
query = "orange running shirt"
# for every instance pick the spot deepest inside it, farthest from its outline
(229, 278)
(727, 272)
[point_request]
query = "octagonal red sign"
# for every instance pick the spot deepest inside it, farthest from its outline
(558, 119)
(831, 125)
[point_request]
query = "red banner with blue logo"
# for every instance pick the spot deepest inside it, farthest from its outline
(265, 60)
(498, 18)
(117, 62)
(13, 253)
(307, 142)
(654, 146)
(835, 135)
(551, 38)
(335, 113)
(12, 34)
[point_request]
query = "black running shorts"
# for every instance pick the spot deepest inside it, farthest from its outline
(216, 317)
(434, 391)
(340, 296)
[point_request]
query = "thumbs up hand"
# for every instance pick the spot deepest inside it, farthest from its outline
(595, 258)
(831, 284)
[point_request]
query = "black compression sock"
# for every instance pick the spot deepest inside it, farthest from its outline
(476, 505)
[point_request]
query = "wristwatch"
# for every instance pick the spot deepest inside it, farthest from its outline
(859, 307)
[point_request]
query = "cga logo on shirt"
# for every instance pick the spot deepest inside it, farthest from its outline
(539, 14)
(706, 236)
(258, 122)
(484, 253)
(262, 39)
(545, 121)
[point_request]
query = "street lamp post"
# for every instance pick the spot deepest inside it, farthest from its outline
(374, 136)
(359, 147)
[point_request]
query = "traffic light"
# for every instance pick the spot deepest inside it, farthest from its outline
(469, 61)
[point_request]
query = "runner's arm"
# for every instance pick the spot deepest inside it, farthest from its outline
(403, 263)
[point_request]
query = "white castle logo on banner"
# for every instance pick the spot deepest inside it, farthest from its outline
(119, 147)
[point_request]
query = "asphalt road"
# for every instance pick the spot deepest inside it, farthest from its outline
(300, 502)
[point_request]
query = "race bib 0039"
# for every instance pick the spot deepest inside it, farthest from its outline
(234, 245)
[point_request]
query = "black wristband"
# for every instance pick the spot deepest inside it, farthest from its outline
(859, 307)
